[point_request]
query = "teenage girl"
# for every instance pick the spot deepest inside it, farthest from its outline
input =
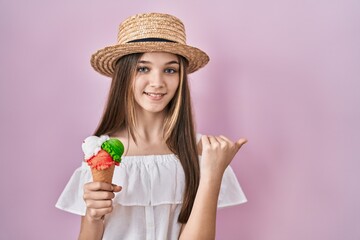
(171, 180)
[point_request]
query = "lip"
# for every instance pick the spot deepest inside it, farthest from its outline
(155, 95)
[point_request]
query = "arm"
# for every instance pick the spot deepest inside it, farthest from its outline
(91, 229)
(217, 153)
(98, 198)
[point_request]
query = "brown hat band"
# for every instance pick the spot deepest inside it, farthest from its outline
(151, 40)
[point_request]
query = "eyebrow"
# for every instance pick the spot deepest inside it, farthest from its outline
(168, 63)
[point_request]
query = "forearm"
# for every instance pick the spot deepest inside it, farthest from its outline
(202, 221)
(91, 229)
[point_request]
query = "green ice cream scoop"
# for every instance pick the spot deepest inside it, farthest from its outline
(115, 148)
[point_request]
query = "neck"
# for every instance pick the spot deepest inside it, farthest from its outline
(149, 126)
(149, 135)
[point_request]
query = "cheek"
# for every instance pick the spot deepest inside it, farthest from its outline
(137, 86)
(175, 84)
(174, 89)
(136, 90)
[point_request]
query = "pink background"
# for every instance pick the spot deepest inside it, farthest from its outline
(284, 74)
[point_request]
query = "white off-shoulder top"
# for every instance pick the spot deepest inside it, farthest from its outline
(148, 206)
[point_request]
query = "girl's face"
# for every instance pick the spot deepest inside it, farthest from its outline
(156, 81)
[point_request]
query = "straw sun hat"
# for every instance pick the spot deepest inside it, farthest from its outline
(150, 32)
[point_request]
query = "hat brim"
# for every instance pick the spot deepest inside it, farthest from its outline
(104, 60)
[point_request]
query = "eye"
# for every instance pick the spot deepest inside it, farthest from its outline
(170, 70)
(142, 69)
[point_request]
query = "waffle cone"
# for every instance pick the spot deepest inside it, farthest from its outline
(103, 175)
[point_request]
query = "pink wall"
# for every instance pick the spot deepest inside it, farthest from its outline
(285, 74)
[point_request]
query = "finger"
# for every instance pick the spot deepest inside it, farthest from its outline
(116, 188)
(98, 195)
(98, 186)
(205, 140)
(213, 140)
(241, 142)
(225, 138)
(224, 143)
(99, 204)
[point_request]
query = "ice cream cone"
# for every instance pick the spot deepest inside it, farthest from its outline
(102, 155)
(103, 175)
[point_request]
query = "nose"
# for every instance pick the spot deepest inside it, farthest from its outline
(156, 79)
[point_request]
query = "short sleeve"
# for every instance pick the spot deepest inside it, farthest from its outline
(230, 191)
(71, 199)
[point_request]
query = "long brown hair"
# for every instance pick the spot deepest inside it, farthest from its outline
(179, 130)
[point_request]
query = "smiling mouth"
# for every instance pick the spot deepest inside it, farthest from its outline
(155, 94)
